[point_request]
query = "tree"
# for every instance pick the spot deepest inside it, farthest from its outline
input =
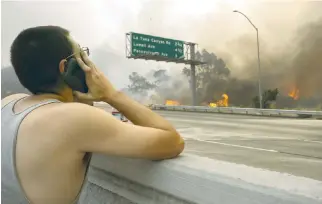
(269, 96)
(139, 84)
(211, 78)
(165, 88)
(160, 76)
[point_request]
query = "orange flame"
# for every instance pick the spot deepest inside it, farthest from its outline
(172, 103)
(294, 93)
(223, 102)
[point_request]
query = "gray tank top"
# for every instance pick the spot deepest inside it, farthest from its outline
(11, 190)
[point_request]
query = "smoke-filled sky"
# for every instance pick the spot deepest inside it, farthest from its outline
(101, 25)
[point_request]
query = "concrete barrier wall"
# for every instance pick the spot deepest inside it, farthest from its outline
(192, 179)
(243, 111)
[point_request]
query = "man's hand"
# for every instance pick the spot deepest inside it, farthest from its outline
(100, 88)
(87, 102)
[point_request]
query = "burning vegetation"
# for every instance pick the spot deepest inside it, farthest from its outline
(294, 93)
(220, 103)
(299, 67)
(172, 103)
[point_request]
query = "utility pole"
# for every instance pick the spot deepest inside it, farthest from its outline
(259, 75)
(259, 64)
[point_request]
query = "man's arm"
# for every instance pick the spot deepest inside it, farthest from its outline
(95, 130)
(139, 114)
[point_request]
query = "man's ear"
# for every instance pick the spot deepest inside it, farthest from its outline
(62, 65)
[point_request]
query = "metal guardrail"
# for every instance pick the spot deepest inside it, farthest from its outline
(235, 110)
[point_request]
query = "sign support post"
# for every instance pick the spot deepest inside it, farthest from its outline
(193, 74)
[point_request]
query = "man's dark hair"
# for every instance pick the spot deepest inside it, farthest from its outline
(35, 56)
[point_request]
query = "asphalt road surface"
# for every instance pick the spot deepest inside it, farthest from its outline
(293, 146)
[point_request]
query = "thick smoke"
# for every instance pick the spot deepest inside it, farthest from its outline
(306, 66)
(295, 64)
(299, 65)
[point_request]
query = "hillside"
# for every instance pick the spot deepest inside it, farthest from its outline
(10, 83)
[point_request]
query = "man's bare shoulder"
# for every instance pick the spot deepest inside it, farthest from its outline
(78, 113)
(69, 119)
(78, 121)
(12, 97)
(77, 108)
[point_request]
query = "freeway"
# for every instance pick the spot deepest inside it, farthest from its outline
(292, 146)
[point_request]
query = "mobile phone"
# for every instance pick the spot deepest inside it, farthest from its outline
(74, 76)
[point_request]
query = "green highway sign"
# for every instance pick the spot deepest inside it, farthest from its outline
(143, 45)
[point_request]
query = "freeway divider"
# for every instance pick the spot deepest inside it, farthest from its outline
(235, 110)
(191, 179)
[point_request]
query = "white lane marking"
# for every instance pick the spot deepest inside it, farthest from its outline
(235, 138)
(200, 134)
(313, 141)
(293, 122)
(205, 134)
(198, 151)
(240, 146)
(252, 126)
(279, 122)
(253, 148)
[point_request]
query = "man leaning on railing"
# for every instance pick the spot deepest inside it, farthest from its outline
(47, 138)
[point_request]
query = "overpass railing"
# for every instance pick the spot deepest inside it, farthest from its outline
(191, 179)
(235, 110)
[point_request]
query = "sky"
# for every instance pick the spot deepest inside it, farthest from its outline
(101, 25)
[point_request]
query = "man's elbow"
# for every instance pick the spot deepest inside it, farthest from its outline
(173, 149)
(180, 147)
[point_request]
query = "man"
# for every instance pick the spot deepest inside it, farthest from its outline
(46, 137)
